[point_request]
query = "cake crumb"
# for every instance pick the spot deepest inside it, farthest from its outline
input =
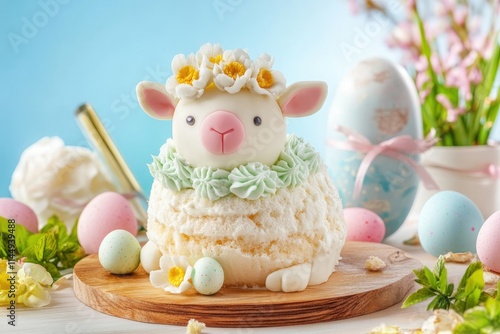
(458, 257)
(374, 263)
(195, 327)
(490, 278)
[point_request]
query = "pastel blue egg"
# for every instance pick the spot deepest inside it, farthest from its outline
(378, 100)
(449, 222)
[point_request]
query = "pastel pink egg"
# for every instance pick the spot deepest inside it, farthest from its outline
(106, 212)
(488, 242)
(20, 212)
(363, 225)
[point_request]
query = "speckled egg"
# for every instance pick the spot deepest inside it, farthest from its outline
(449, 222)
(120, 252)
(363, 225)
(207, 276)
(20, 212)
(488, 242)
(106, 212)
(150, 257)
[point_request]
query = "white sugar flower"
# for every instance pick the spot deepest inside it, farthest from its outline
(189, 79)
(233, 71)
(264, 80)
(174, 274)
(209, 55)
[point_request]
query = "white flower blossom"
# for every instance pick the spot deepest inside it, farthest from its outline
(189, 79)
(233, 71)
(174, 275)
(264, 80)
(209, 55)
(55, 179)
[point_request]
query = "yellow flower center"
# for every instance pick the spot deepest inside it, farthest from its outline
(176, 276)
(216, 59)
(265, 78)
(187, 75)
(234, 69)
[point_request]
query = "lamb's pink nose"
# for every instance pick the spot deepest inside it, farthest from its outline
(222, 132)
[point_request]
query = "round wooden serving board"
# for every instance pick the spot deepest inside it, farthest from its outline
(351, 291)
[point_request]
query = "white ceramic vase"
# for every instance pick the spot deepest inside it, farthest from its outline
(471, 170)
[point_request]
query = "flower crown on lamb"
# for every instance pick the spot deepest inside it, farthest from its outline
(228, 70)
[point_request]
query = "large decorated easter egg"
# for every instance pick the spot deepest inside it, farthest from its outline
(376, 100)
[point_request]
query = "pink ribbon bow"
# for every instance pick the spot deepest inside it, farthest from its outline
(397, 148)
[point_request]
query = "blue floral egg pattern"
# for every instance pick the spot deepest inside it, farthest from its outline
(378, 100)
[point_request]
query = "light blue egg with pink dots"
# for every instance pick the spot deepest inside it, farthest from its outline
(207, 276)
(449, 222)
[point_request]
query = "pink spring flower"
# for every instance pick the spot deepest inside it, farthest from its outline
(457, 77)
(452, 112)
(460, 14)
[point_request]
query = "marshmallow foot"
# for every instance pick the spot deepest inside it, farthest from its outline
(290, 279)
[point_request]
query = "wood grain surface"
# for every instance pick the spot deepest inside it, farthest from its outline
(351, 291)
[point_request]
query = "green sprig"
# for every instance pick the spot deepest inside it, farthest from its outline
(53, 247)
(482, 319)
(480, 310)
(469, 292)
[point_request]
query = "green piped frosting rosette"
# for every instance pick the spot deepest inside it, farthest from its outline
(252, 181)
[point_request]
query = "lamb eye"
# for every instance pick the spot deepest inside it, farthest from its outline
(190, 120)
(257, 120)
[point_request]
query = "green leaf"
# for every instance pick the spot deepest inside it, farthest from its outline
(473, 299)
(33, 239)
(52, 269)
(439, 266)
(465, 328)
(417, 297)
(443, 281)
(431, 278)
(477, 317)
(449, 290)
(3, 245)
(421, 278)
(473, 266)
(475, 281)
(73, 237)
(4, 222)
(433, 304)
(46, 247)
(58, 228)
(493, 308)
(22, 235)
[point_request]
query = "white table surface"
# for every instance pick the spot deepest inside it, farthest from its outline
(66, 314)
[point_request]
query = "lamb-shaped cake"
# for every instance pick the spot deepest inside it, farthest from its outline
(231, 184)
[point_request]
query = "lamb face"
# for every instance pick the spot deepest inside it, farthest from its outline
(224, 130)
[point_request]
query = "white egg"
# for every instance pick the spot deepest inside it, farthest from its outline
(150, 257)
(207, 276)
(120, 252)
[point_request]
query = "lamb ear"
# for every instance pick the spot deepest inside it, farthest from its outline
(303, 98)
(154, 100)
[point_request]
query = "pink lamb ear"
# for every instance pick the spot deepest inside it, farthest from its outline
(155, 100)
(303, 98)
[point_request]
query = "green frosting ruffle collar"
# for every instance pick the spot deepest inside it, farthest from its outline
(252, 181)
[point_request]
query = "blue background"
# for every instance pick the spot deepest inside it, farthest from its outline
(56, 55)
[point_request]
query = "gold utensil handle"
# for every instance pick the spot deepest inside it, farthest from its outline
(96, 133)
